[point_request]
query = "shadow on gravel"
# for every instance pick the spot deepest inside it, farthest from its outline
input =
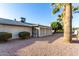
(55, 37)
(75, 41)
(12, 46)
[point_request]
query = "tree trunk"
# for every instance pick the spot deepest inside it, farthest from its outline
(68, 23)
(54, 31)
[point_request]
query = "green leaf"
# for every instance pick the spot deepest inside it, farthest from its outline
(55, 10)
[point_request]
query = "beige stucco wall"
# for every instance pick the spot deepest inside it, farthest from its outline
(42, 32)
(15, 29)
(45, 32)
(48, 32)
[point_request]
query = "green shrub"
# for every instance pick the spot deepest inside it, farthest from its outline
(24, 35)
(5, 36)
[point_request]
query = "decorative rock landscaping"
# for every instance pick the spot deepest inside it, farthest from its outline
(45, 46)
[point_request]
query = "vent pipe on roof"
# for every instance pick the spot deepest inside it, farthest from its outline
(23, 19)
(15, 19)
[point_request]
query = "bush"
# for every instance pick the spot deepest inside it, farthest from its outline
(5, 36)
(24, 35)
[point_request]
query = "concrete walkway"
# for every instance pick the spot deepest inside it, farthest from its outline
(46, 46)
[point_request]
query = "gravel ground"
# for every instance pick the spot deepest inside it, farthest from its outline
(45, 46)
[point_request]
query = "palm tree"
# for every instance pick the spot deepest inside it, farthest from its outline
(66, 16)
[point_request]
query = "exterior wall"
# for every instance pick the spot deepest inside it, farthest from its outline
(35, 32)
(45, 32)
(48, 32)
(42, 32)
(15, 29)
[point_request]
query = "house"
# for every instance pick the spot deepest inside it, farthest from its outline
(15, 27)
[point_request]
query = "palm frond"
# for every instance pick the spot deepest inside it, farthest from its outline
(75, 8)
(57, 7)
(53, 4)
(55, 10)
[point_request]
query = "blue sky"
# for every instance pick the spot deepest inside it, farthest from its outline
(39, 13)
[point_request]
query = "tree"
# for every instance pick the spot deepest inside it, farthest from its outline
(60, 16)
(56, 26)
(66, 17)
